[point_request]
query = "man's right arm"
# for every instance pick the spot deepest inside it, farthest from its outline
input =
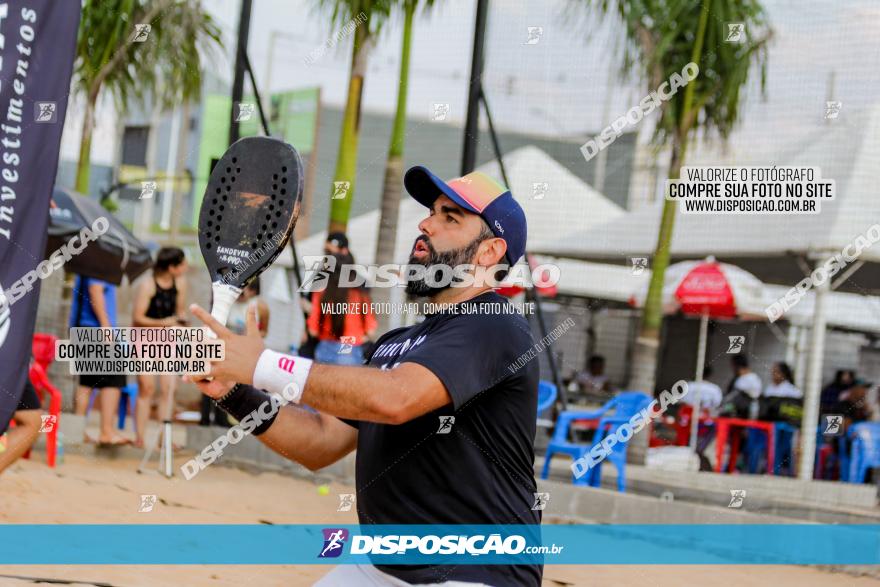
(313, 439)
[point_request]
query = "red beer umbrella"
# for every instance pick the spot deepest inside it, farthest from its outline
(710, 289)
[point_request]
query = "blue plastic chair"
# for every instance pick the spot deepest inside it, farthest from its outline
(546, 399)
(625, 406)
(843, 457)
(784, 433)
(756, 447)
(865, 453)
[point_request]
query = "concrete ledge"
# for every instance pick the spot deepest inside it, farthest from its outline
(604, 506)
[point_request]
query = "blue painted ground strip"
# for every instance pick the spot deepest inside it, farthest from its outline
(662, 544)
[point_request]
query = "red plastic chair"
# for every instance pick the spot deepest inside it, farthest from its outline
(43, 349)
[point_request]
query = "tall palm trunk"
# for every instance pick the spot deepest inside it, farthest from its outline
(644, 360)
(346, 159)
(394, 165)
(83, 166)
(180, 167)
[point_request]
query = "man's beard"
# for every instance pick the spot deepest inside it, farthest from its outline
(452, 259)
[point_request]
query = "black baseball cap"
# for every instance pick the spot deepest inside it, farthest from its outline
(339, 239)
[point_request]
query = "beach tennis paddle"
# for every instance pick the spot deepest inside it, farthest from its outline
(248, 213)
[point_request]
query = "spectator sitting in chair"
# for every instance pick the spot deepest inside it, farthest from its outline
(593, 382)
(741, 400)
(710, 394)
(854, 408)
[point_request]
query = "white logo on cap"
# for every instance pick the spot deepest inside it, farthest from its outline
(498, 226)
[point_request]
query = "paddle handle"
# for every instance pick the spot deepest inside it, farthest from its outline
(224, 296)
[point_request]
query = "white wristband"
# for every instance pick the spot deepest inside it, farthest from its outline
(276, 371)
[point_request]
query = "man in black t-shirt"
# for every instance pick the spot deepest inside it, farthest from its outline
(443, 417)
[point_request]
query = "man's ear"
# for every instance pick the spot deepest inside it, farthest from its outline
(493, 253)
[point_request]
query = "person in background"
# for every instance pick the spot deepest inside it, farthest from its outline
(236, 322)
(741, 400)
(782, 382)
(593, 383)
(782, 400)
(336, 244)
(854, 408)
(345, 325)
(16, 442)
(160, 302)
(853, 404)
(710, 401)
(94, 305)
(843, 380)
(250, 296)
(710, 394)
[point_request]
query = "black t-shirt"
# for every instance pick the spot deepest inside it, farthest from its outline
(479, 470)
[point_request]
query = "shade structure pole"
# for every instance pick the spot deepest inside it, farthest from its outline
(814, 381)
(701, 363)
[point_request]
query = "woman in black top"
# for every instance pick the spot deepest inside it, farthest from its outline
(160, 301)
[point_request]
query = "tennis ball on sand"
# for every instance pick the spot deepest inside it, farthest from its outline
(323, 490)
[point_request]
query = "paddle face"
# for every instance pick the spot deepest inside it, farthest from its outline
(250, 208)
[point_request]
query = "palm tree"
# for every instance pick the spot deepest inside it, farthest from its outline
(394, 164)
(111, 55)
(368, 17)
(662, 36)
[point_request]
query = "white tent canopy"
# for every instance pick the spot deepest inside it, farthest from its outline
(568, 202)
(768, 245)
(618, 284)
